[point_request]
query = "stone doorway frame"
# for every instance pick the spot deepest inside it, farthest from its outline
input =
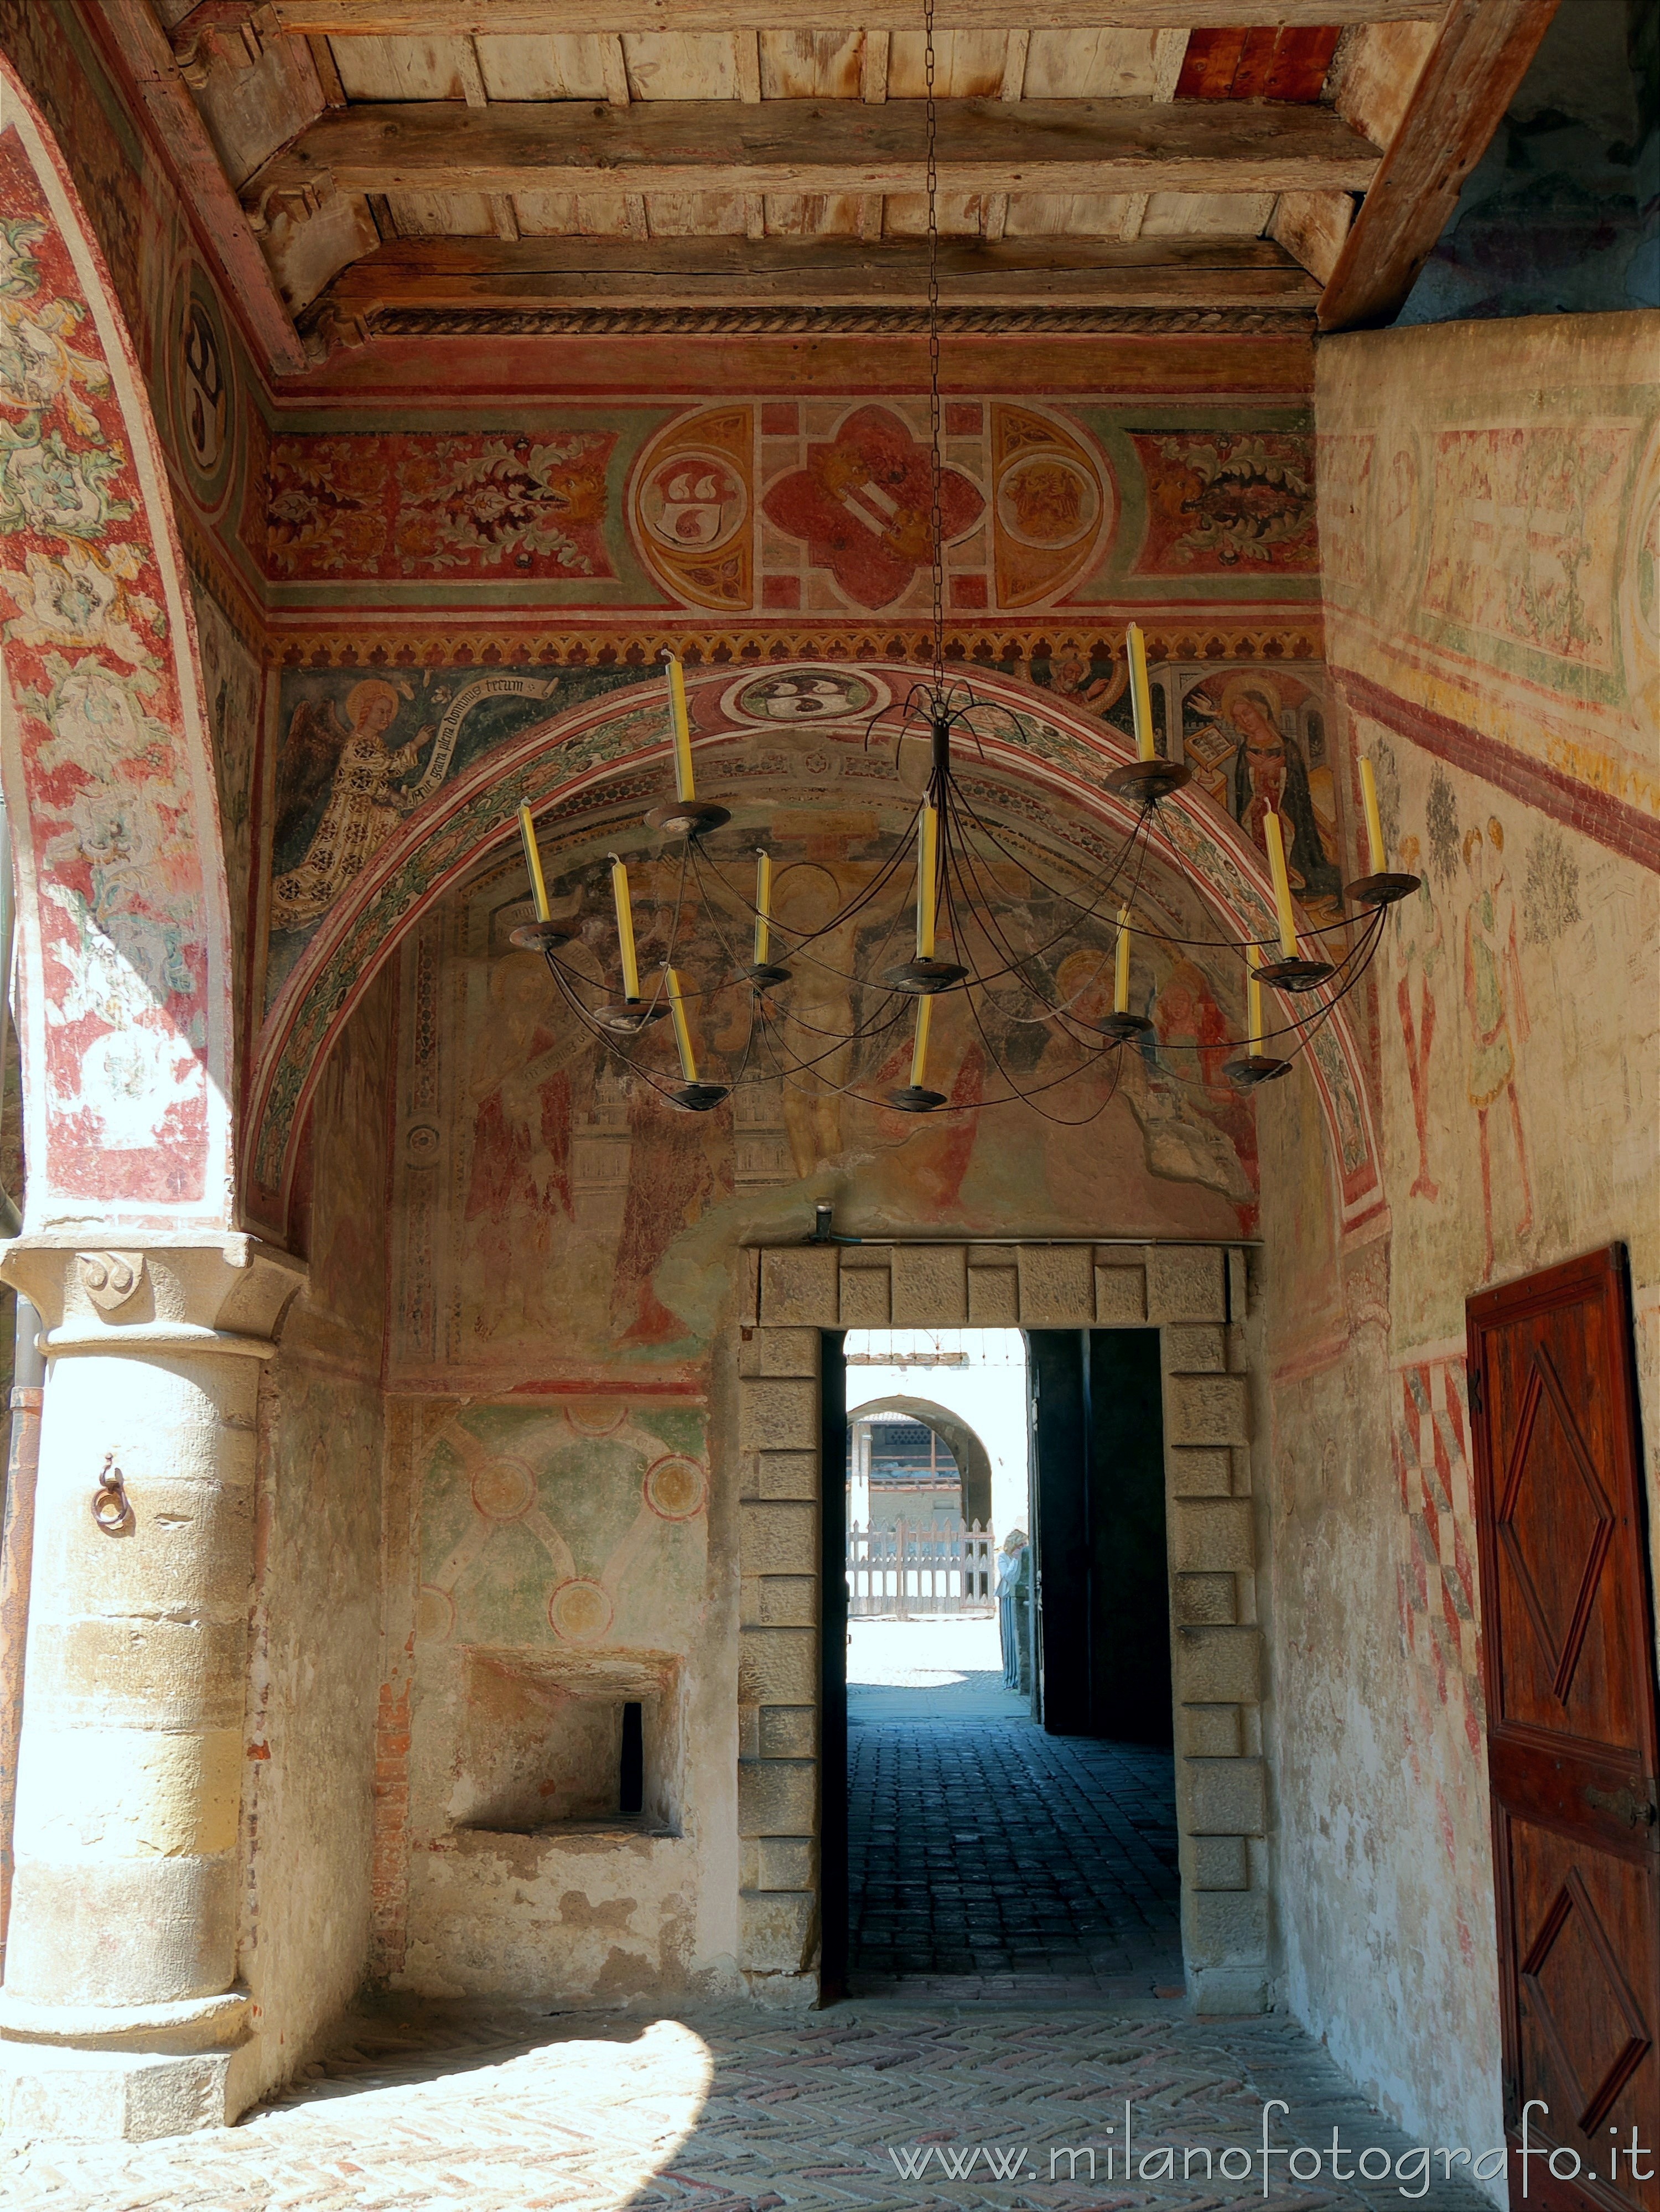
(1196, 1295)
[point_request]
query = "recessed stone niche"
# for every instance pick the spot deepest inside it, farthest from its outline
(568, 1742)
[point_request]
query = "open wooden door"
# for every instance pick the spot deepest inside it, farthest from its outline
(1568, 1665)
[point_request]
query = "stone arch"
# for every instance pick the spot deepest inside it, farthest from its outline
(973, 1459)
(562, 767)
(123, 929)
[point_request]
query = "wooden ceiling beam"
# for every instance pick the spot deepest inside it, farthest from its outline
(530, 273)
(1470, 79)
(1051, 146)
(145, 56)
(534, 19)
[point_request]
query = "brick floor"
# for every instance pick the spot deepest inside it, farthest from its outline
(429, 2110)
(987, 1851)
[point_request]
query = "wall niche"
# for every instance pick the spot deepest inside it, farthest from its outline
(568, 1742)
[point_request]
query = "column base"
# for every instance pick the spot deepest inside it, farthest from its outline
(1228, 1992)
(118, 2073)
(62, 2094)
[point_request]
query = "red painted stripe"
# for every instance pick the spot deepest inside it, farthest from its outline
(1595, 814)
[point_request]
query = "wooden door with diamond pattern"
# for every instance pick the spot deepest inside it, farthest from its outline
(1568, 1665)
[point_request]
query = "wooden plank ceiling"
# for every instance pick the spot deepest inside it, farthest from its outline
(474, 165)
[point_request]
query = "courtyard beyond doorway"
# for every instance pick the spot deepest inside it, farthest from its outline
(986, 1858)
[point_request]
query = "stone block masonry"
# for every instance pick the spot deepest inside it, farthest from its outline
(1190, 1295)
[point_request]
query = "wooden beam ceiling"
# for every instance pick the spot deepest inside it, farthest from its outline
(1053, 146)
(1470, 77)
(531, 274)
(535, 19)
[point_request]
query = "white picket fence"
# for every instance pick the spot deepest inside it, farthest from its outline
(921, 1568)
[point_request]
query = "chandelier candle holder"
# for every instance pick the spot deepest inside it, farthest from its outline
(928, 973)
(687, 816)
(1384, 886)
(1246, 1070)
(765, 972)
(1019, 957)
(634, 1012)
(1146, 779)
(917, 1098)
(695, 1095)
(1121, 1025)
(1291, 971)
(545, 933)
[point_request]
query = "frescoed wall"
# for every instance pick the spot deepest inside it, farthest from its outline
(568, 1268)
(317, 1616)
(1487, 511)
(817, 509)
(125, 983)
(358, 753)
(551, 1208)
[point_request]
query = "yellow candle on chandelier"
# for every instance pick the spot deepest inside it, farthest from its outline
(762, 907)
(1121, 996)
(1276, 844)
(919, 1056)
(682, 1031)
(619, 892)
(928, 882)
(1141, 697)
(1374, 820)
(1254, 998)
(533, 861)
(684, 788)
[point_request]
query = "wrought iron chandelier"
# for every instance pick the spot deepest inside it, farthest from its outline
(815, 1024)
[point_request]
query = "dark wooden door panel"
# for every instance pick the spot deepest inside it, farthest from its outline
(1568, 1656)
(1584, 1925)
(1571, 1662)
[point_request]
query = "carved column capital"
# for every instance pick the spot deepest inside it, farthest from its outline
(172, 1291)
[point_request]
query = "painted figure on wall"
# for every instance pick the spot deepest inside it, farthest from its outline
(1240, 737)
(1420, 951)
(365, 803)
(359, 754)
(1497, 1012)
(519, 1176)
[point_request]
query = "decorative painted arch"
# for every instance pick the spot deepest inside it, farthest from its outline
(618, 746)
(123, 932)
(973, 1459)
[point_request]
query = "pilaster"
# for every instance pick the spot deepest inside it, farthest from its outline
(119, 2009)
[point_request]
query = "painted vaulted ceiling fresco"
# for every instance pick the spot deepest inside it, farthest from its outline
(124, 989)
(789, 737)
(786, 507)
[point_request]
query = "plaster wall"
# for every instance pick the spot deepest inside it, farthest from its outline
(571, 1505)
(314, 1648)
(1488, 517)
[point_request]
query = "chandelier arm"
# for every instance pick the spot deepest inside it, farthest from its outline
(1346, 924)
(960, 798)
(886, 872)
(605, 1037)
(1026, 1097)
(840, 1041)
(1087, 912)
(987, 923)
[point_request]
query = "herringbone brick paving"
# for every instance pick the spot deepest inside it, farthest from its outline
(737, 2110)
(986, 1847)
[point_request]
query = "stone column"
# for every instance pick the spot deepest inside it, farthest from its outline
(119, 2009)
